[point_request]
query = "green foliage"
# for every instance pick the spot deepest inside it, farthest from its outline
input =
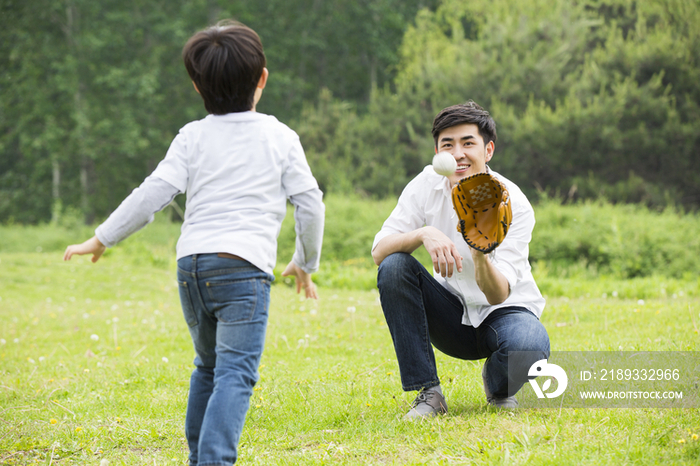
(351, 223)
(352, 154)
(593, 99)
(599, 244)
(601, 90)
(92, 93)
(598, 239)
(349, 48)
(90, 104)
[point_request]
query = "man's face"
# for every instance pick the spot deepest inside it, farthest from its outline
(467, 147)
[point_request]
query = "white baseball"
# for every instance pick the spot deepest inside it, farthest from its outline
(444, 164)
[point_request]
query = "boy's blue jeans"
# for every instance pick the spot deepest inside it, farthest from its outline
(225, 302)
(421, 314)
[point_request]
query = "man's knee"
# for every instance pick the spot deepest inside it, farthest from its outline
(529, 336)
(396, 260)
(538, 342)
(394, 268)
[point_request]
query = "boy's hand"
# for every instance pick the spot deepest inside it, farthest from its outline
(92, 246)
(303, 280)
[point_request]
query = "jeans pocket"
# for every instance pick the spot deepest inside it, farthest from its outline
(233, 300)
(186, 302)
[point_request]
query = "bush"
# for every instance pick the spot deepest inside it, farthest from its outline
(351, 223)
(623, 241)
(592, 240)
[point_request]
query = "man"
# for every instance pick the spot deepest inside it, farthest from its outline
(475, 305)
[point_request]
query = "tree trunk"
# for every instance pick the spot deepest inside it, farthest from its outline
(56, 205)
(71, 29)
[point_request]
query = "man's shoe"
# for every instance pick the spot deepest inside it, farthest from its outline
(503, 403)
(427, 404)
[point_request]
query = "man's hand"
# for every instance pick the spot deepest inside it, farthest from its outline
(302, 278)
(92, 246)
(442, 250)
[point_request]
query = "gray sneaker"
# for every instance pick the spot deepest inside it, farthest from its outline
(502, 403)
(427, 404)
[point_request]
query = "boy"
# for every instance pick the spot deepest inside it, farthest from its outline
(238, 168)
(476, 305)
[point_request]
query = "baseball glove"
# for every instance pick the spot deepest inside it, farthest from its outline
(483, 206)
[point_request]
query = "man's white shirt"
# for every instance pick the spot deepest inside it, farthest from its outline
(427, 201)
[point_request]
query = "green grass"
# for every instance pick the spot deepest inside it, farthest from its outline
(329, 391)
(95, 359)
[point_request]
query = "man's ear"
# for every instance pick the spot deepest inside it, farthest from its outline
(263, 79)
(490, 147)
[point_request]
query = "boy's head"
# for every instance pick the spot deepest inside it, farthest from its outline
(225, 62)
(467, 113)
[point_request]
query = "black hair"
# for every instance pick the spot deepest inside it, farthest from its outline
(225, 62)
(466, 113)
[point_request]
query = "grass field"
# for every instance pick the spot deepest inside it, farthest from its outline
(95, 362)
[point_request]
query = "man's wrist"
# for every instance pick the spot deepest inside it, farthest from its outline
(479, 255)
(423, 232)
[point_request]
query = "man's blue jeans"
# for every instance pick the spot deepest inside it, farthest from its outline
(225, 302)
(421, 314)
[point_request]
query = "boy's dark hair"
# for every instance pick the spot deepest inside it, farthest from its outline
(226, 62)
(467, 113)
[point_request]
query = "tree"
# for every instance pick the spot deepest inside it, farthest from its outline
(93, 92)
(590, 97)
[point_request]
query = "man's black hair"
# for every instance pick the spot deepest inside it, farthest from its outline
(466, 113)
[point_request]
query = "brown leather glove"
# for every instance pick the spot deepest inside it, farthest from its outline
(483, 206)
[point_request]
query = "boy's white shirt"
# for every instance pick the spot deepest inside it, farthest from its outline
(427, 200)
(238, 171)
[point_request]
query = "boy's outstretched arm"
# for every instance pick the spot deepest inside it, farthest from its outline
(135, 212)
(92, 246)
